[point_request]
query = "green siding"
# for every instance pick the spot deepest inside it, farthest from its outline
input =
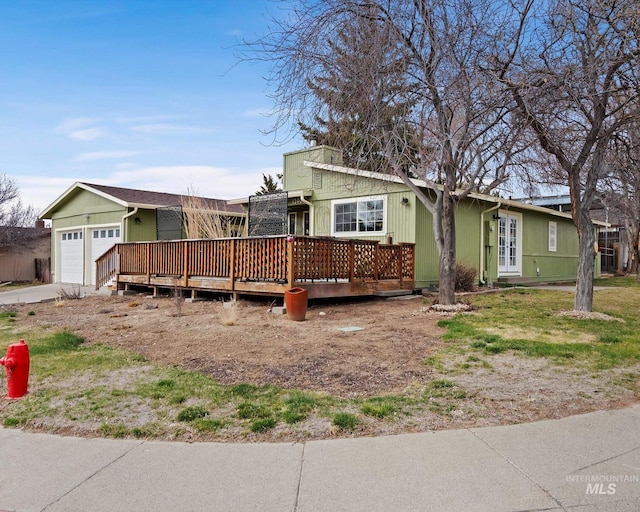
(143, 231)
(412, 222)
(297, 176)
(100, 210)
(71, 214)
(427, 259)
(468, 233)
(538, 262)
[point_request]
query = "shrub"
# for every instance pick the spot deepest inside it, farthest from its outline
(345, 421)
(263, 424)
(465, 278)
(192, 413)
(248, 411)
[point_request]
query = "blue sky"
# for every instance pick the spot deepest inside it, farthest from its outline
(133, 93)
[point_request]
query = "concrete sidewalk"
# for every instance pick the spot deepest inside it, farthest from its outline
(581, 463)
(45, 292)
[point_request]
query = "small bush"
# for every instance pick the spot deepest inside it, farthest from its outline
(263, 424)
(378, 410)
(248, 411)
(441, 384)
(117, 431)
(75, 293)
(292, 416)
(10, 421)
(209, 424)
(465, 278)
(192, 413)
(345, 421)
(244, 390)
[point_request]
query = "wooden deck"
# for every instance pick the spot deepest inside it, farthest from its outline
(326, 267)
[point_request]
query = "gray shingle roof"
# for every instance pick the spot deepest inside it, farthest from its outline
(145, 197)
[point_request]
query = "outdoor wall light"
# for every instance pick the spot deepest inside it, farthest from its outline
(137, 220)
(404, 201)
(86, 217)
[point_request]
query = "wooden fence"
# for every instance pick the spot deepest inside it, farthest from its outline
(261, 265)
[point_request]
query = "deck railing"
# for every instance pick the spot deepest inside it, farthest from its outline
(279, 259)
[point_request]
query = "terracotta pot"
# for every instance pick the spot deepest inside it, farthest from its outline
(295, 301)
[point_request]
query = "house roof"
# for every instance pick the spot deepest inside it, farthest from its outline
(293, 194)
(134, 198)
(392, 178)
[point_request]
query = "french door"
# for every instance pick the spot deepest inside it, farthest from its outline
(509, 243)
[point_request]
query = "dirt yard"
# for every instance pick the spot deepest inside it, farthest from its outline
(349, 349)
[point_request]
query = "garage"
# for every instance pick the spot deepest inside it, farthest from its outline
(102, 239)
(88, 219)
(71, 257)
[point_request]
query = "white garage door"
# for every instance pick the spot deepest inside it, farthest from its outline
(71, 267)
(102, 239)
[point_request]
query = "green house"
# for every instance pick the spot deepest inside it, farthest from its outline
(88, 219)
(504, 240)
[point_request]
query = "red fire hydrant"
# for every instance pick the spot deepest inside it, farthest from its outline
(16, 364)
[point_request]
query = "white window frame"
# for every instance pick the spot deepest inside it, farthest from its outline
(508, 269)
(358, 201)
(292, 216)
(553, 236)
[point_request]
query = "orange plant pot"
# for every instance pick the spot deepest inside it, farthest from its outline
(295, 301)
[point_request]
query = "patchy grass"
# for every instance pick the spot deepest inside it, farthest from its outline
(345, 421)
(527, 321)
(91, 389)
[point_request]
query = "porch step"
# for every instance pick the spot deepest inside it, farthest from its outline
(392, 293)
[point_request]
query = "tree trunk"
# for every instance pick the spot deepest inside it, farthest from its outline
(586, 264)
(447, 282)
(633, 242)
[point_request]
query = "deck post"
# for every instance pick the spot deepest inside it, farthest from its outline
(148, 261)
(232, 264)
(352, 258)
(376, 259)
(185, 264)
(117, 265)
(291, 275)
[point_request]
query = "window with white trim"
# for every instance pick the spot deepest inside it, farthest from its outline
(553, 236)
(358, 216)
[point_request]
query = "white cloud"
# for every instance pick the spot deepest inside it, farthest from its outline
(150, 119)
(80, 128)
(41, 191)
(102, 155)
(71, 124)
(88, 134)
(207, 181)
(169, 129)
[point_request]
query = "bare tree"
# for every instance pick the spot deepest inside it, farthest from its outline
(427, 60)
(572, 74)
(622, 190)
(14, 216)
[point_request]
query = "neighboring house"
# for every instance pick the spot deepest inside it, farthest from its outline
(613, 244)
(504, 240)
(26, 254)
(89, 219)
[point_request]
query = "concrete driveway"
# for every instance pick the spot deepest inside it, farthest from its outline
(45, 293)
